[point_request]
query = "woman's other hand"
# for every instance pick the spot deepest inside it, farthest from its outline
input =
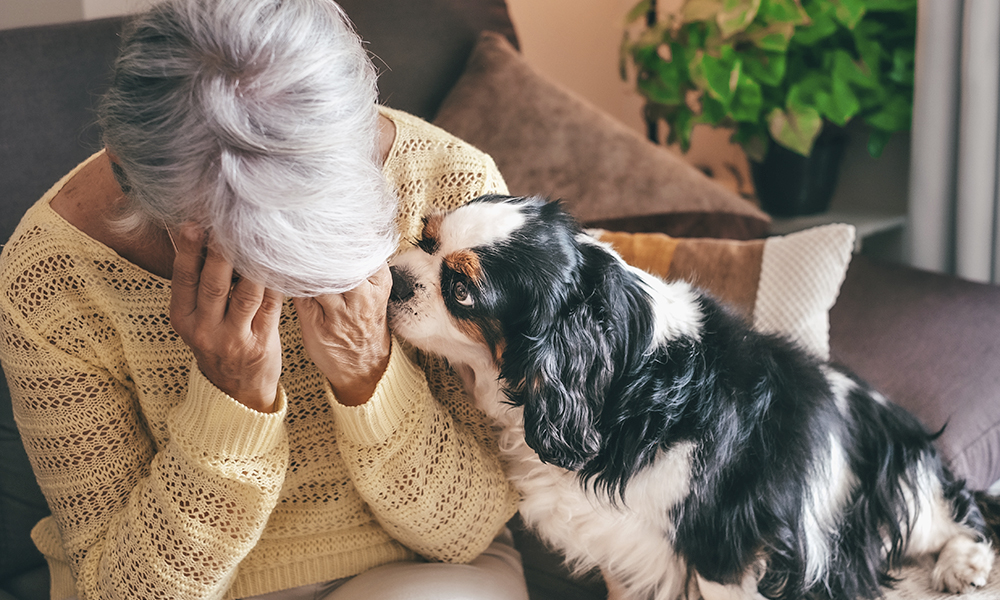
(232, 328)
(347, 336)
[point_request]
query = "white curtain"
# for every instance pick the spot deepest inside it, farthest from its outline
(955, 153)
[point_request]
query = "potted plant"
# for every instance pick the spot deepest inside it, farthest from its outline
(785, 75)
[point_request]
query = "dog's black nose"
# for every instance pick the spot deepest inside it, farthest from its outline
(402, 285)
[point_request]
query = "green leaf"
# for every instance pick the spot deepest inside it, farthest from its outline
(903, 61)
(774, 37)
(701, 10)
(895, 115)
(849, 12)
(766, 67)
(795, 129)
(681, 125)
(846, 69)
(660, 91)
(716, 76)
(867, 40)
(638, 11)
(748, 100)
(809, 89)
(736, 15)
(841, 105)
(662, 81)
(712, 112)
(694, 36)
(877, 141)
(789, 12)
(822, 24)
(834, 99)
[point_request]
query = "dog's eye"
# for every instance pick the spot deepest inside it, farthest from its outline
(460, 291)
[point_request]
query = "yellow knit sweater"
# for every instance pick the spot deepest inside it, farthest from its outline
(162, 486)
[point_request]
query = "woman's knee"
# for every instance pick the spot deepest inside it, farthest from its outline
(496, 574)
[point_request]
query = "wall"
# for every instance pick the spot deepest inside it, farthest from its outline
(576, 42)
(23, 13)
(96, 9)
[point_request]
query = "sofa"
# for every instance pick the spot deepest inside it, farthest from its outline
(929, 342)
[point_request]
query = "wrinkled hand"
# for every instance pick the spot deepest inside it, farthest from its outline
(232, 329)
(347, 336)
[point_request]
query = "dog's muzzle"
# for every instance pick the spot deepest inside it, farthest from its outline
(402, 285)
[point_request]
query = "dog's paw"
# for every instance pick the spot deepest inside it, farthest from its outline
(962, 566)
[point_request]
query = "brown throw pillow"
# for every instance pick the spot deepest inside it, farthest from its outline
(546, 140)
(783, 285)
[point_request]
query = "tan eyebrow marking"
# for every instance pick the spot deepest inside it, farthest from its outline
(465, 262)
(430, 237)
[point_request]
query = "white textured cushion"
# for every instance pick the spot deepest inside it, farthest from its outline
(800, 278)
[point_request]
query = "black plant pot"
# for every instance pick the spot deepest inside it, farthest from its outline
(791, 185)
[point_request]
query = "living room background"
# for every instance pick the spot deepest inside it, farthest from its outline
(576, 44)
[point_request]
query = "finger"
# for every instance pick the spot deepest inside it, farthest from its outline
(245, 298)
(382, 279)
(214, 285)
(268, 314)
(190, 243)
(320, 309)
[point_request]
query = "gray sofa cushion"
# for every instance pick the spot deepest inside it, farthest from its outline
(931, 343)
(21, 502)
(420, 47)
(52, 77)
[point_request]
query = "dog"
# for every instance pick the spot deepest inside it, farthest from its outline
(656, 435)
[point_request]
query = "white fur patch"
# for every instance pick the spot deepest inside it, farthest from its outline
(675, 307)
(831, 486)
(479, 224)
(841, 386)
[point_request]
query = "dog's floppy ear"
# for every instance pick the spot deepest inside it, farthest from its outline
(563, 366)
(564, 381)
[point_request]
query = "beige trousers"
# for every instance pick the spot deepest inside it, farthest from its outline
(497, 574)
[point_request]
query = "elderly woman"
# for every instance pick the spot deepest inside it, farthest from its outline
(196, 434)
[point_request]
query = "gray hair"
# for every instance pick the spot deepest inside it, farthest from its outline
(258, 119)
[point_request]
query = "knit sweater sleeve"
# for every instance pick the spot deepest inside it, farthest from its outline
(430, 476)
(136, 519)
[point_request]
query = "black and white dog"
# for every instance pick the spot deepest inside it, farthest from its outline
(653, 434)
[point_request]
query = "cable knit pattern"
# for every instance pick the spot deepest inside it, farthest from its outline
(162, 486)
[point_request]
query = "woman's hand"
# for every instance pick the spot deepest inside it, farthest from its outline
(232, 329)
(347, 336)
